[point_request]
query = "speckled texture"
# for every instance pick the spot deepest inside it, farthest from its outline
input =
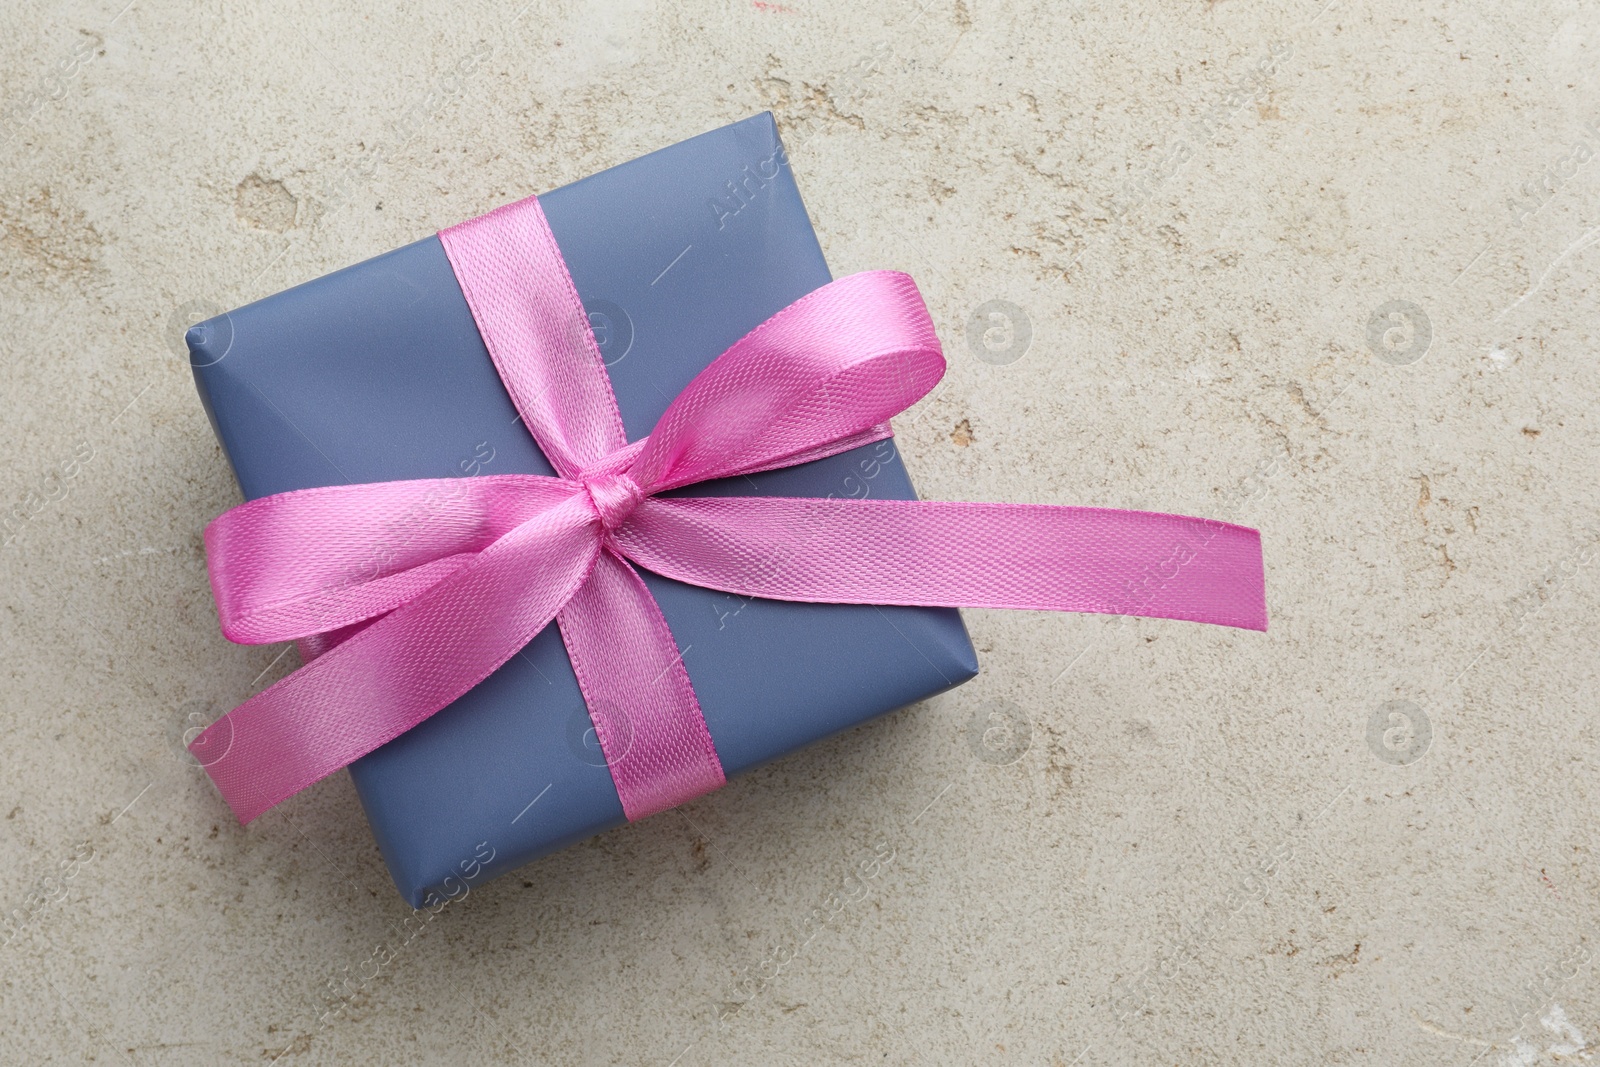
(1147, 843)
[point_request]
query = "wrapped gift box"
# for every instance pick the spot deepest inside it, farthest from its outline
(377, 373)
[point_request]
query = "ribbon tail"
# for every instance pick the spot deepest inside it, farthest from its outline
(403, 668)
(934, 553)
(644, 709)
(308, 562)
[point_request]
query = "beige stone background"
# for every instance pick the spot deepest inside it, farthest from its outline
(1140, 843)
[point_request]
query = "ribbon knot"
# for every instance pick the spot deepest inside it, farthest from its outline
(613, 497)
(410, 593)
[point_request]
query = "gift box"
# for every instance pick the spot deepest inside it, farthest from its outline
(377, 373)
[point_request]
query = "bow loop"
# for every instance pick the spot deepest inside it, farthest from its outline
(318, 560)
(828, 368)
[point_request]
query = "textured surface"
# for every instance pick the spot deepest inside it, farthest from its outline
(1325, 275)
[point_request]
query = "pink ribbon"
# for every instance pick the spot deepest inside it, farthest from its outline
(404, 595)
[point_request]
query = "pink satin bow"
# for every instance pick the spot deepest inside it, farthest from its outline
(410, 593)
